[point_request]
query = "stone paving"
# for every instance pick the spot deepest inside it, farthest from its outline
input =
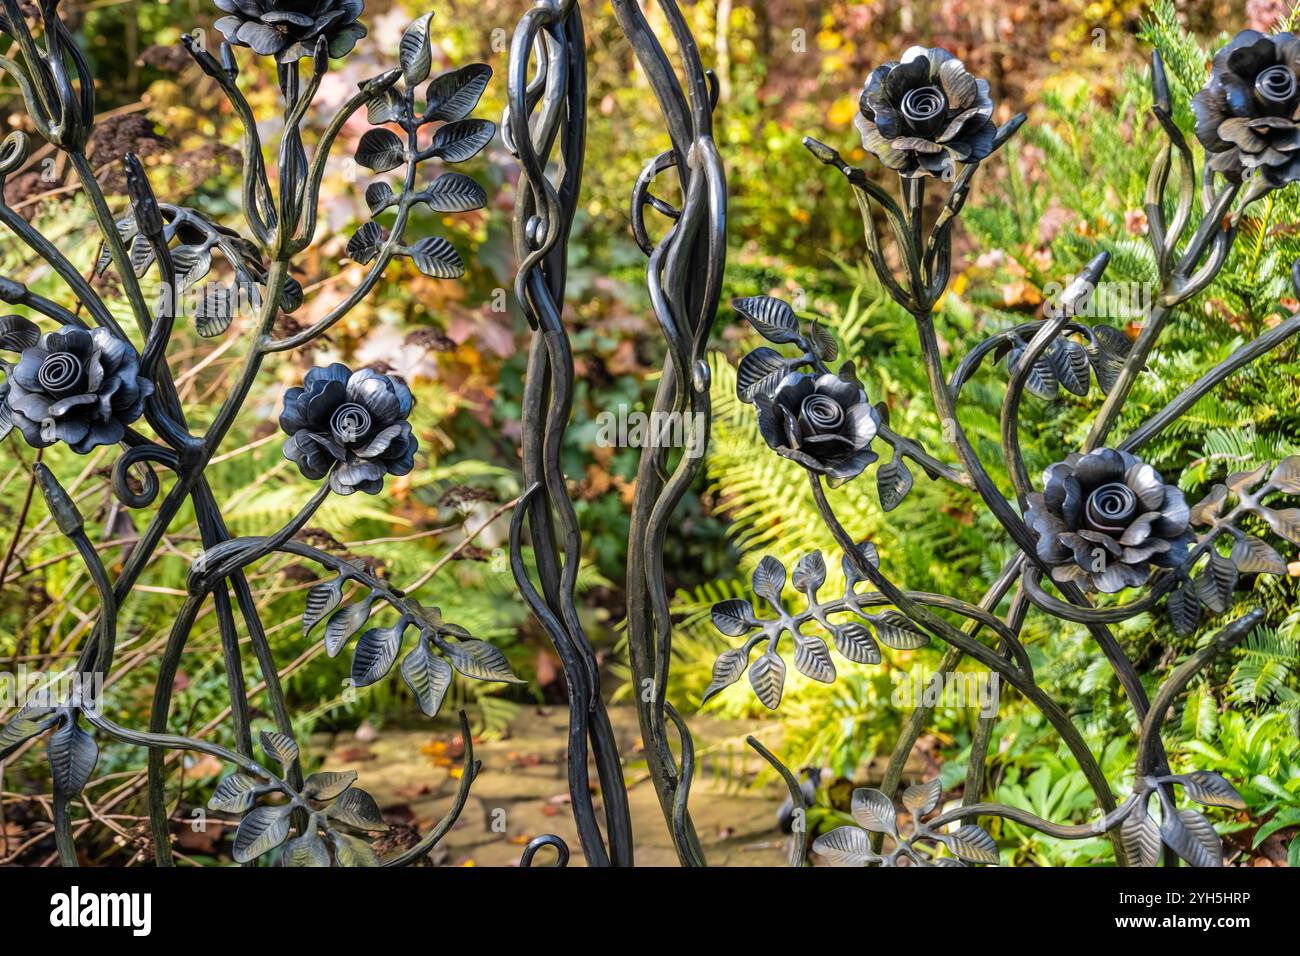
(521, 790)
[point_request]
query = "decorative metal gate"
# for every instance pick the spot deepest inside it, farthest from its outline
(1102, 521)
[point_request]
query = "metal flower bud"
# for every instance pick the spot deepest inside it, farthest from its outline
(61, 505)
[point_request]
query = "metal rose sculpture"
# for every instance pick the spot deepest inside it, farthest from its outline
(349, 426)
(78, 386)
(1100, 523)
(926, 114)
(1246, 117)
(289, 30)
(85, 383)
(1107, 519)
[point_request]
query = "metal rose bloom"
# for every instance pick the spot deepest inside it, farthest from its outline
(824, 422)
(925, 114)
(79, 386)
(351, 426)
(290, 29)
(1246, 114)
(1106, 519)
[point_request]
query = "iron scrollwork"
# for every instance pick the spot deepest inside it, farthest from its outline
(1101, 522)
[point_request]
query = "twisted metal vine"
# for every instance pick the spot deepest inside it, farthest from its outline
(1103, 521)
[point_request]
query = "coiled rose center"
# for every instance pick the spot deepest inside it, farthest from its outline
(59, 373)
(822, 413)
(350, 422)
(923, 105)
(1112, 506)
(1276, 85)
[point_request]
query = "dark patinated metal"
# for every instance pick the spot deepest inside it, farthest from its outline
(1100, 521)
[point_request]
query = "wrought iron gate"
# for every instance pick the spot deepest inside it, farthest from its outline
(1102, 521)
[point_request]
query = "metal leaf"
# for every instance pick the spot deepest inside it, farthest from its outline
(365, 242)
(760, 372)
(1253, 556)
(1041, 380)
(280, 747)
(823, 343)
(462, 140)
(771, 317)
(1285, 522)
(1070, 363)
(869, 554)
(437, 258)
(455, 192)
(379, 196)
(306, 850)
(376, 653)
(387, 106)
(17, 333)
(809, 573)
(262, 830)
(1211, 790)
(727, 669)
(428, 676)
(215, 310)
(414, 53)
(769, 579)
(453, 95)
(1208, 508)
(345, 622)
(812, 658)
(328, 784)
(1192, 837)
(1140, 834)
(381, 150)
(6, 413)
(733, 617)
(893, 481)
(923, 797)
(874, 811)
(1214, 585)
(234, 794)
(855, 643)
(972, 843)
(322, 599)
(1286, 476)
(845, 846)
(357, 808)
(73, 754)
(767, 677)
(350, 851)
(895, 630)
(481, 661)
(1241, 481)
(1184, 608)
(33, 719)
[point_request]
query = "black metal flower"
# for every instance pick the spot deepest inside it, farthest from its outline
(1107, 519)
(79, 386)
(351, 426)
(824, 422)
(290, 29)
(925, 114)
(1246, 114)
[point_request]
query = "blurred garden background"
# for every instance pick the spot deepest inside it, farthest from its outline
(1070, 184)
